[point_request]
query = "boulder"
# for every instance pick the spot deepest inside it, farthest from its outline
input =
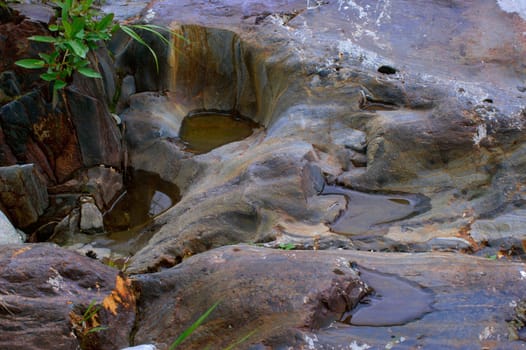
(23, 193)
(269, 294)
(44, 288)
(294, 298)
(8, 233)
(90, 216)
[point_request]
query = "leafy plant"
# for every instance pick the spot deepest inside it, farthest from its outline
(79, 29)
(286, 246)
(87, 322)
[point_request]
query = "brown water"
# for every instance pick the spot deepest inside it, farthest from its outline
(202, 132)
(368, 212)
(395, 301)
(146, 196)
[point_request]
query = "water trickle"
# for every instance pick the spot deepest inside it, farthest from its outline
(367, 212)
(202, 132)
(395, 301)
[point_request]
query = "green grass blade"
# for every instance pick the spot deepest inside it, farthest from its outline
(150, 28)
(130, 32)
(193, 327)
(166, 29)
(240, 341)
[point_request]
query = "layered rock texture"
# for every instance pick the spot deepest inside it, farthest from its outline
(379, 202)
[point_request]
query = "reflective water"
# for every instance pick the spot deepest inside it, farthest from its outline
(368, 212)
(202, 132)
(395, 301)
(146, 196)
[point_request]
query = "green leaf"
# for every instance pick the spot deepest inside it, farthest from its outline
(88, 72)
(53, 27)
(43, 39)
(193, 327)
(78, 26)
(78, 48)
(59, 84)
(30, 63)
(104, 22)
(49, 59)
(49, 76)
(97, 329)
(66, 7)
(67, 29)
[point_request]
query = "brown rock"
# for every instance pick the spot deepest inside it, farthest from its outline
(41, 285)
(23, 193)
(271, 292)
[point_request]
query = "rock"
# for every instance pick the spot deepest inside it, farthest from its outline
(8, 233)
(508, 226)
(268, 293)
(104, 184)
(23, 193)
(305, 290)
(142, 347)
(67, 228)
(43, 287)
(9, 87)
(127, 90)
(90, 216)
(98, 135)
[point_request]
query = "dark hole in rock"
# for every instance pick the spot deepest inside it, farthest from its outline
(387, 70)
(487, 100)
(367, 211)
(203, 131)
(129, 222)
(146, 196)
(395, 301)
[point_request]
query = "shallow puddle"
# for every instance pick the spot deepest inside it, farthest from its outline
(202, 132)
(146, 196)
(367, 212)
(395, 301)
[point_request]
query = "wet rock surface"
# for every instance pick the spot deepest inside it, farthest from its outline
(412, 111)
(422, 300)
(304, 291)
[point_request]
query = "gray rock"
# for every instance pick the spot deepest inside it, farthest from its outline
(508, 225)
(127, 90)
(91, 220)
(8, 233)
(23, 193)
(142, 347)
(67, 228)
(350, 138)
(104, 184)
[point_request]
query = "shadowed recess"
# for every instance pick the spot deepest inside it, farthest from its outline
(146, 196)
